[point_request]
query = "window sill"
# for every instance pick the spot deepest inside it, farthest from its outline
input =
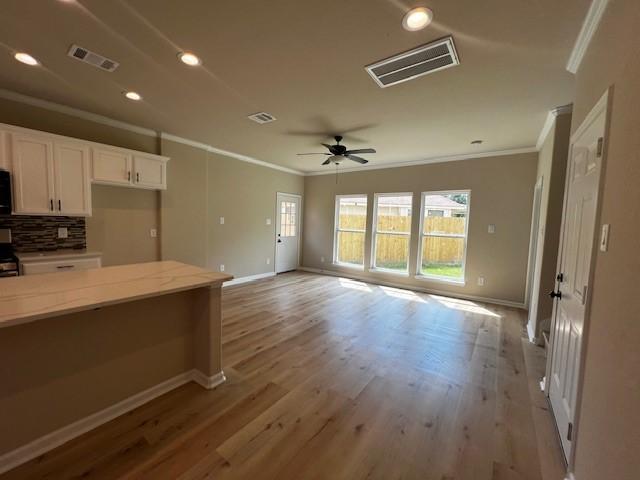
(448, 281)
(348, 265)
(389, 272)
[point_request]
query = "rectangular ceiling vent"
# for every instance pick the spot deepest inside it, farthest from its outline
(92, 58)
(420, 61)
(262, 117)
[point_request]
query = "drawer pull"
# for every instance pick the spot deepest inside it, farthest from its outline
(62, 267)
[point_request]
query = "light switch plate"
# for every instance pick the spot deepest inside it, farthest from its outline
(268, 221)
(221, 220)
(222, 268)
(321, 259)
(492, 228)
(268, 261)
(63, 232)
(153, 232)
(481, 281)
(604, 238)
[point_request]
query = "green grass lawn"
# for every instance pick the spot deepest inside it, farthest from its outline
(442, 270)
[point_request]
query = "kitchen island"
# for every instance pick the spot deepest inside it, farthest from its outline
(80, 348)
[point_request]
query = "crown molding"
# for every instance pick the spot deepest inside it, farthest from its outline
(226, 153)
(548, 123)
(426, 161)
(588, 30)
(101, 119)
(75, 112)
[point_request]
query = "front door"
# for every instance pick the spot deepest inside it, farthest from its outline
(573, 284)
(287, 232)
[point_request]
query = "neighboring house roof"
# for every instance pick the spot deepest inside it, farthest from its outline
(430, 201)
(440, 201)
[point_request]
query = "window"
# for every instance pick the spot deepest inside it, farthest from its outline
(443, 241)
(288, 219)
(392, 232)
(350, 228)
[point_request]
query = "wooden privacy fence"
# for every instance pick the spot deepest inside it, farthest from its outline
(393, 249)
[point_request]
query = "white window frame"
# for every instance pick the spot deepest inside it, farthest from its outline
(422, 235)
(374, 233)
(336, 229)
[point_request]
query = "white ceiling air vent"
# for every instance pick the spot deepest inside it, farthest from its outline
(92, 58)
(262, 117)
(420, 61)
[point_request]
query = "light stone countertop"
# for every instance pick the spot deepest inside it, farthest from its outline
(35, 297)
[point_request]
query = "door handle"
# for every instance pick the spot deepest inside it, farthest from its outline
(279, 240)
(557, 294)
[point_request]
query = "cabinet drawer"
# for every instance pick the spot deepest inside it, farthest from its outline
(30, 268)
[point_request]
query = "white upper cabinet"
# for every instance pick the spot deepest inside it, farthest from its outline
(111, 166)
(33, 182)
(52, 174)
(150, 172)
(4, 151)
(72, 179)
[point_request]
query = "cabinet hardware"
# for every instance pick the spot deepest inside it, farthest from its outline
(138, 177)
(51, 204)
(129, 176)
(63, 267)
(570, 431)
(560, 277)
(60, 205)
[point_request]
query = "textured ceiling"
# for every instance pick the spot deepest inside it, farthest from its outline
(302, 61)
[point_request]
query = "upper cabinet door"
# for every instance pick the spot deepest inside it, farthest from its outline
(111, 167)
(150, 172)
(32, 165)
(72, 179)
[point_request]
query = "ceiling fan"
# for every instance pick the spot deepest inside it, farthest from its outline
(338, 153)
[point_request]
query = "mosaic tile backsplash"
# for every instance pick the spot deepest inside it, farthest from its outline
(35, 234)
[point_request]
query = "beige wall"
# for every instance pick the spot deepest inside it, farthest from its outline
(122, 217)
(204, 187)
(608, 432)
(552, 166)
(501, 194)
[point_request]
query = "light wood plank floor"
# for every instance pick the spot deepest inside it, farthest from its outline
(331, 378)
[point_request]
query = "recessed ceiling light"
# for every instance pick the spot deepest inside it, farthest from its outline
(417, 19)
(189, 58)
(25, 58)
(133, 96)
(476, 142)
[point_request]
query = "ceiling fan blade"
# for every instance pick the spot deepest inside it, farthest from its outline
(317, 153)
(330, 147)
(357, 159)
(326, 162)
(361, 150)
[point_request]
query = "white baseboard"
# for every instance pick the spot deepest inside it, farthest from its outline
(58, 437)
(570, 476)
(386, 283)
(250, 278)
(208, 382)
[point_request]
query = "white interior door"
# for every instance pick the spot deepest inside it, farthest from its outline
(287, 232)
(575, 267)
